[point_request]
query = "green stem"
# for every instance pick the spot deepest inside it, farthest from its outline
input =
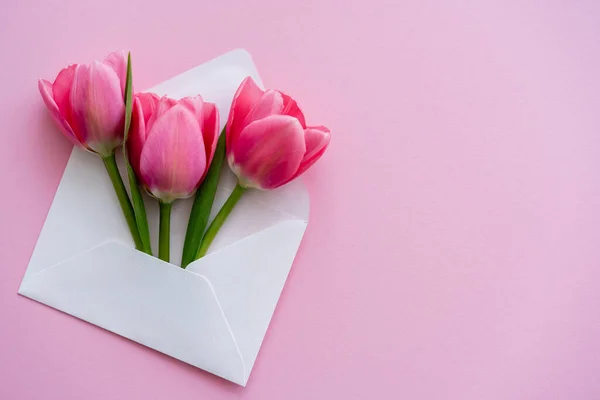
(110, 163)
(164, 234)
(203, 202)
(217, 223)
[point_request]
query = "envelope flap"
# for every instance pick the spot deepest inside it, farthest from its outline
(248, 277)
(216, 80)
(146, 300)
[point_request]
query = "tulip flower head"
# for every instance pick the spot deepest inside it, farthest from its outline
(172, 143)
(268, 144)
(268, 141)
(86, 101)
(170, 146)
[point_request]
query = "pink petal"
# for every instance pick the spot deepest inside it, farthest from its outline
(137, 135)
(210, 132)
(173, 159)
(117, 60)
(164, 104)
(317, 139)
(149, 103)
(268, 152)
(291, 108)
(247, 95)
(98, 107)
(46, 91)
(195, 105)
(61, 91)
(271, 103)
(144, 106)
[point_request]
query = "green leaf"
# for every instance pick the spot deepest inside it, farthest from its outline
(139, 208)
(202, 205)
(128, 100)
(136, 194)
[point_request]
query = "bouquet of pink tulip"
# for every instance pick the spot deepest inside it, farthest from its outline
(172, 149)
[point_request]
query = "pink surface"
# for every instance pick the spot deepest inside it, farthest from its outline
(453, 248)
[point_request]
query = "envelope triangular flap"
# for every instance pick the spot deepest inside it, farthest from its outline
(145, 299)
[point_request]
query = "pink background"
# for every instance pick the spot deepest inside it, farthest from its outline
(453, 250)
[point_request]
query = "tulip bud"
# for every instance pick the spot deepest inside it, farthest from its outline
(87, 103)
(171, 144)
(268, 142)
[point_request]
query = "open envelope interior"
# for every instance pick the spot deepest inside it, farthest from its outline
(214, 314)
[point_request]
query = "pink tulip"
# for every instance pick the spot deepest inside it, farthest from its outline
(172, 143)
(170, 146)
(87, 103)
(268, 142)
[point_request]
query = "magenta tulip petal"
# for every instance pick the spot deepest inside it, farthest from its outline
(173, 159)
(137, 134)
(149, 103)
(291, 108)
(271, 103)
(317, 139)
(46, 91)
(247, 95)
(98, 107)
(195, 105)
(268, 152)
(210, 132)
(164, 105)
(61, 91)
(117, 60)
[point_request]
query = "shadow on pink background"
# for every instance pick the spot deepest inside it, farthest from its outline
(453, 250)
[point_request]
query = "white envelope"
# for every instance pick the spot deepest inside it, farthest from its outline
(214, 314)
